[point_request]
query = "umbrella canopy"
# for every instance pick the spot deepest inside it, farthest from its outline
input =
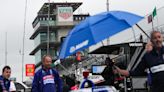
(95, 29)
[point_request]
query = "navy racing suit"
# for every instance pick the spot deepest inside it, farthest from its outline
(154, 61)
(47, 81)
(4, 84)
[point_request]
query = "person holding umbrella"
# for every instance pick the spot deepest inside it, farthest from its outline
(153, 60)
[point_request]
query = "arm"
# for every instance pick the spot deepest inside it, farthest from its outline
(139, 70)
(35, 84)
(122, 72)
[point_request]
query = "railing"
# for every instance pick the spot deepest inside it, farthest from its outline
(134, 57)
(45, 23)
(86, 63)
(41, 19)
(45, 41)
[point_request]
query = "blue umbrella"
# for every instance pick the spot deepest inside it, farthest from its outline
(95, 29)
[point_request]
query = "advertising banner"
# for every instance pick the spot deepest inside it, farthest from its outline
(65, 14)
(30, 69)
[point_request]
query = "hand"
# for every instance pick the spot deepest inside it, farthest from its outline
(149, 47)
(116, 69)
(122, 71)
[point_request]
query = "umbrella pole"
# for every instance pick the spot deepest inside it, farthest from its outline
(143, 31)
(102, 43)
(134, 34)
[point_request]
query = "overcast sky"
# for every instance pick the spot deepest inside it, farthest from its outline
(12, 19)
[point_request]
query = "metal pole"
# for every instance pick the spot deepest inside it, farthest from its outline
(157, 21)
(107, 5)
(48, 29)
(134, 34)
(24, 28)
(143, 31)
(152, 25)
(6, 48)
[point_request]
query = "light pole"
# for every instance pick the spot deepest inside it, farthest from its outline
(24, 28)
(6, 48)
(107, 7)
(48, 29)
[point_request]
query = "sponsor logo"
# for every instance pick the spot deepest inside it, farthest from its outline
(65, 12)
(65, 15)
(135, 44)
(78, 46)
(48, 79)
(30, 69)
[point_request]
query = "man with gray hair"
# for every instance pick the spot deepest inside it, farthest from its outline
(153, 60)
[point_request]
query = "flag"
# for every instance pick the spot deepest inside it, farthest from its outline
(154, 12)
(149, 18)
